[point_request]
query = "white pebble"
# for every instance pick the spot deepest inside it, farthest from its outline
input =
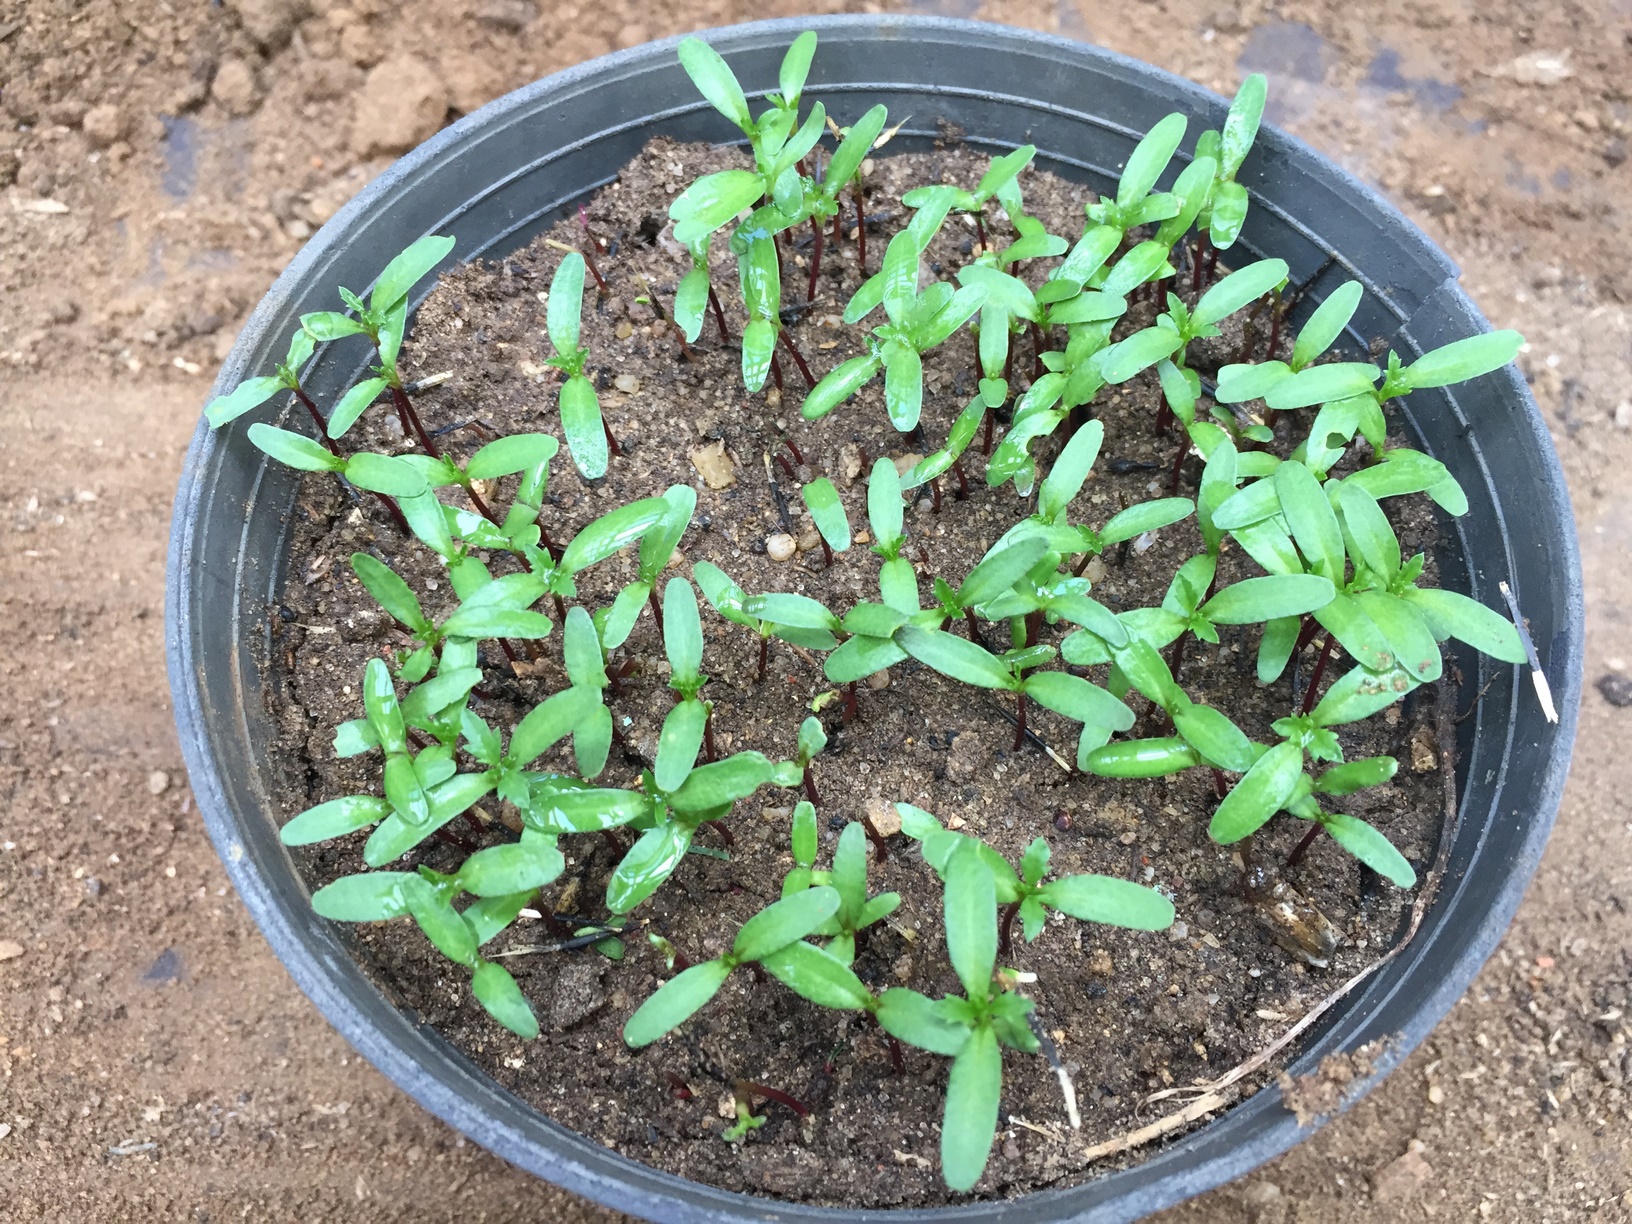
(781, 546)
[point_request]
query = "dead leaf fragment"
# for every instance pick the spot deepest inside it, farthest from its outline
(714, 465)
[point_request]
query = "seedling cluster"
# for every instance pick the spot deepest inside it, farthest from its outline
(1022, 623)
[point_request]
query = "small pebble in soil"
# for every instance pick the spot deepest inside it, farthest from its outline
(781, 547)
(627, 383)
(158, 782)
(10, 949)
(879, 680)
(1617, 690)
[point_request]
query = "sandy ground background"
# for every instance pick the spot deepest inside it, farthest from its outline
(161, 161)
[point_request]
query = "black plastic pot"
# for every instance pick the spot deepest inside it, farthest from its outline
(501, 176)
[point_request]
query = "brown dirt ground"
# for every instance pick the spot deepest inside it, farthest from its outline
(144, 1007)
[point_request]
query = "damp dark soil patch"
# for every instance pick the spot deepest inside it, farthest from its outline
(1131, 1013)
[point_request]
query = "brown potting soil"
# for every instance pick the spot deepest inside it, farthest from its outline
(1130, 1012)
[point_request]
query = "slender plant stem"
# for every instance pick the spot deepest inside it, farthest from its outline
(815, 259)
(810, 788)
(1314, 678)
(1019, 720)
(1005, 926)
(798, 357)
(719, 315)
(1302, 848)
(861, 229)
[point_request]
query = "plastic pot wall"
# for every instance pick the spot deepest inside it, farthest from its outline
(501, 176)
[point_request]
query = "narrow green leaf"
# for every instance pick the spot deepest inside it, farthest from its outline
(1077, 699)
(1320, 384)
(640, 873)
(784, 922)
(920, 1022)
(884, 508)
(251, 393)
(1356, 632)
(1215, 737)
(335, 818)
(371, 896)
(1326, 324)
(509, 455)
(970, 1122)
(1064, 480)
(675, 1002)
(1253, 600)
(853, 149)
(447, 930)
(581, 423)
(1356, 775)
(971, 921)
(954, 656)
(1463, 359)
(612, 532)
(1237, 290)
(295, 450)
(817, 975)
(1142, 758)
(679, 742)
(1309, 514)
(1261, 793)
(1453, 615)
(1146, 516)
(389, 591)
(1148, 159)
(408, 269)
(1376, 545)
(800, 611)
(723, 782)
(1371, 848)
(1406, 631)
(827, 511)
(708, 204)
(516, 867)
(1104, 899)
(498, 993)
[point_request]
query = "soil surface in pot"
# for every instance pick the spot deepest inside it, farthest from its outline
(1131, 1013)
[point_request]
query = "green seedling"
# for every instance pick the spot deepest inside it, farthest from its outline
(687, 723)
(775, 927)
(388, 475)
(1220, 219)
(1065, 694)
(656, 551)
(588, 435)
(970, 1029)
(848, 877)
(1090, 898)
(730, 600)
(918, 322)
(384, 320)
(1000, 182)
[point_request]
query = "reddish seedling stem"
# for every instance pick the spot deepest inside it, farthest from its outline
(583, 220)
(615, 842)
(963, 481)
(411, 423)
(775, 1094)
(881, 848)
(1019, 721)
(1302, 848)
(935, 496)
(975, 634)
(980, 227)
(1220, 787)
(1036, 352)
(810, 789)
(708, 738)
(560, 608)
(827, 551)
(611, 442)
(720, 827)
(861, 231)
(776, 373)
(1034, 625)
(1314, 678)
(317, 418)
(986, 443)
(798, 358)
(851, 710)
(1306, 634)
(815, 259)
(657, 608)
(1009, 911)
(764, 657)
(719, 315)
(798, 455)
(1178, 464)
(786, 466)
(1275, 316)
